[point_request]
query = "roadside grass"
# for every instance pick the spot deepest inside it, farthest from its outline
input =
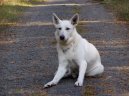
(120, 7)
(10, 10)
(9, 13)
(33, 1)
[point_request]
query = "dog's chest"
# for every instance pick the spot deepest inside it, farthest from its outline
(69, 53)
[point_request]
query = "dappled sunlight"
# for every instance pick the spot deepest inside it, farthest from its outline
(21, 4)
(16, 3)
(55, 0)
(125, 94)
(117, 43)
(8, 24)
(119, 68)
(65, 4)
(28, 24)
(47, 5)
(103, 21)
(39, 23)
(36, 91)
(7, 42)
(36, 23)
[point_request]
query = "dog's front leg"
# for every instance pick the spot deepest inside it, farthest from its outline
(59, 74)
(82, 71)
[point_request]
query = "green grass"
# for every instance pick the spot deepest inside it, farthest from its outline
(10, 10)
(120, 7)
(10, 13)
(37, 0)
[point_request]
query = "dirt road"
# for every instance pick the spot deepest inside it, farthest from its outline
(28, 56)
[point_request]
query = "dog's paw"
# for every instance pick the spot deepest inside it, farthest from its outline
(49, 84)
(78, 83)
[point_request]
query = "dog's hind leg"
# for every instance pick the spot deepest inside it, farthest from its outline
(97, 70)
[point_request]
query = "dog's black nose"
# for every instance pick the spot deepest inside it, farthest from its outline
(62, 37)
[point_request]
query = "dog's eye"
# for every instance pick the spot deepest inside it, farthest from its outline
(59, 28)
(67, 28)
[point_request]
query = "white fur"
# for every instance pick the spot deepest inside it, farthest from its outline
(74, 52)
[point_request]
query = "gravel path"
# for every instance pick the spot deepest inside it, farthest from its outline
(28, 56)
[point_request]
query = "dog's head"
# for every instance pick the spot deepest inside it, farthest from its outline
(65, 28)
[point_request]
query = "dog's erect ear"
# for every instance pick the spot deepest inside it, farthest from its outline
(74, 20)
(55, 19)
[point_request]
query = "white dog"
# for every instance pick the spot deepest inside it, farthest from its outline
(74, 52)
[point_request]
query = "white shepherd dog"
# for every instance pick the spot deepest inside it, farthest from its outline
(75, 54)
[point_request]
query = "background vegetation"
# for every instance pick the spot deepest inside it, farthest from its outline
(120, 7)
(11, 9)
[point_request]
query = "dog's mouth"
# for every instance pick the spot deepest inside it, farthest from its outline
(63, 42)
(66, 41)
